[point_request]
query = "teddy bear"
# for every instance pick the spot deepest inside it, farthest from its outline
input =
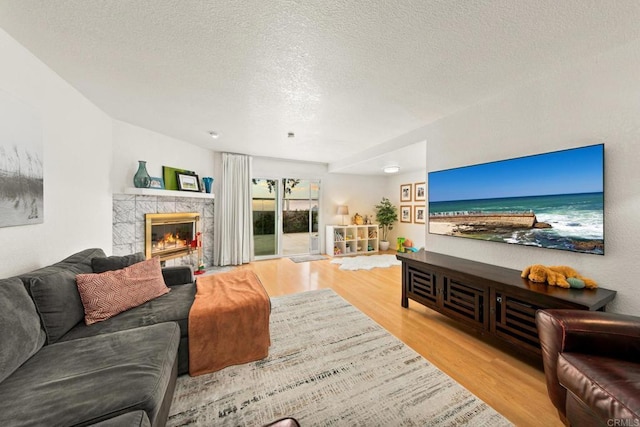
(558, 275)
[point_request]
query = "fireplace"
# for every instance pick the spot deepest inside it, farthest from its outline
(171, 235)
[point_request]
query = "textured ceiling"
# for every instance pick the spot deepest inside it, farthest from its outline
(345, 76)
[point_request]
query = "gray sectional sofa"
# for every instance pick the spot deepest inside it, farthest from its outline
(57, 371)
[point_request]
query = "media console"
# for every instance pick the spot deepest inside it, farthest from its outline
(492, 300)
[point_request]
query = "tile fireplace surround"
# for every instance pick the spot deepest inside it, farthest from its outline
(129, 223)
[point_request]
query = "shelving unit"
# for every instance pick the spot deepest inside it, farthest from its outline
(344, 240)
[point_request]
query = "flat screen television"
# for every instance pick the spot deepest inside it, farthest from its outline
(551, 200)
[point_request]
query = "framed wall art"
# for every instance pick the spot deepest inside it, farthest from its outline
(405, 213)
(405, 192)
(420, 191)
(21, 164)
(419, 213)
(188, 182)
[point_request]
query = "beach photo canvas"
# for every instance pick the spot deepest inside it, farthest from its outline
(21, 166)
(552, 200)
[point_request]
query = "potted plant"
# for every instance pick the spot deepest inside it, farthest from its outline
(386, 215)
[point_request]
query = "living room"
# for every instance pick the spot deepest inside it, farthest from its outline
(579, 93)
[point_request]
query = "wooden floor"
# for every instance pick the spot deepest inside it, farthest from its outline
(507, 381)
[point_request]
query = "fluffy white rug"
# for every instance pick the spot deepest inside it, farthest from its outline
(366, 262)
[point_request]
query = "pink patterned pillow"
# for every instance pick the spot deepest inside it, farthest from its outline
(106, 294)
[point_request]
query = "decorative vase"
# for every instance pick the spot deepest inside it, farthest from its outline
(141, 179)
(207, 183)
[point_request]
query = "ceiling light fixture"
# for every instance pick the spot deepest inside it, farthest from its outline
(213, 134)
(391, 169)
(291, 135)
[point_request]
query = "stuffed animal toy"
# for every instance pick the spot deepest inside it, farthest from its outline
(538, 273)
(570, 273)
(559, 275)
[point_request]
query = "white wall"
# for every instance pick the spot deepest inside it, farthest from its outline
(594, 101)
(360, 193)
(77, 161)
(132, 143)
(413, 231)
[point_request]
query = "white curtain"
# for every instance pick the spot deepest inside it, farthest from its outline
(233, 244)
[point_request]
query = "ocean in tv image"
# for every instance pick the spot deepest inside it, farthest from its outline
(552, 200)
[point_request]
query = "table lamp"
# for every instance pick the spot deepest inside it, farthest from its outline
(343, 210)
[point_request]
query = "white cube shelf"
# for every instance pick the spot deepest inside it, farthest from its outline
(344, 240)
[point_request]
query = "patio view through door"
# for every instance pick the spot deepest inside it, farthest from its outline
(285, 217)
(265, 207)
(301, 202)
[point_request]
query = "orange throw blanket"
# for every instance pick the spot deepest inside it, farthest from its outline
(228, 322)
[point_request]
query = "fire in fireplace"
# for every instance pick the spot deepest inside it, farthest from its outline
(171, 235)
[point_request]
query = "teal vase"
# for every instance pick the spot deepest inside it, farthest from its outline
(208, 181)
(141, 178)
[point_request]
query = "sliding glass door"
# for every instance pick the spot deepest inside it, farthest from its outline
(301, 202)
(265, 207)
(285, 217)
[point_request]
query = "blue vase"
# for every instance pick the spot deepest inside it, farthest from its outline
(207, 183)
(141, 179)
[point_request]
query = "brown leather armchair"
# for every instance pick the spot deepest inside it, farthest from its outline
(592, 366)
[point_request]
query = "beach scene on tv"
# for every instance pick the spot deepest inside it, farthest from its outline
(552, 200)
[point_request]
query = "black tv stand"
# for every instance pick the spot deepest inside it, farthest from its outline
(490, 299)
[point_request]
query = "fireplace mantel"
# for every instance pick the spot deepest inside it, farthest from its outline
(167, 193)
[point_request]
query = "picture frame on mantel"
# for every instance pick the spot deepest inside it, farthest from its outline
(188, 182)
(170, 178)
(156, 183)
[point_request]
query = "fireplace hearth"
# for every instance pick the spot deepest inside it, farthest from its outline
(171, 235)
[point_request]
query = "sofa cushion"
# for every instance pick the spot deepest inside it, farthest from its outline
(100, 265)
(106, 294)
(83, 259)
(173, 306)
(89, 380)
(20, 332)
(610, 387)
(178, 275)
(58, 302)
(80, 262)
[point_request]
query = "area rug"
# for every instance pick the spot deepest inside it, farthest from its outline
(306, 258)
(329, 365)
(366, 262)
